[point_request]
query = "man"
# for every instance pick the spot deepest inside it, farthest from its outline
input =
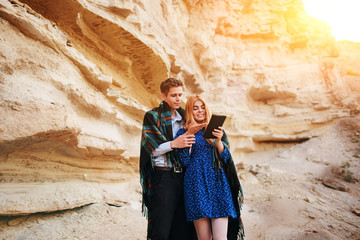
(161, 173)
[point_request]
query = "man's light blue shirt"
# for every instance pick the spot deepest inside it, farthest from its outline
(158, 155)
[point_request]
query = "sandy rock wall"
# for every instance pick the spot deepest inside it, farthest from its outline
(77, 76)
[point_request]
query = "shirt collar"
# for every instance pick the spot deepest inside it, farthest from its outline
(177, 117)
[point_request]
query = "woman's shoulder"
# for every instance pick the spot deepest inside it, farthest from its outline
(200, 132)
(180, 131)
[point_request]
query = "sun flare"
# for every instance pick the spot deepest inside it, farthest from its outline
(342, 15)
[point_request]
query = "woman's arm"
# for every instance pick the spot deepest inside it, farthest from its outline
(222, 148)
(183, 153)
(218, 133)
(225, 154)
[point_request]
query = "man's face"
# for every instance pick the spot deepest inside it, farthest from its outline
(173, 97)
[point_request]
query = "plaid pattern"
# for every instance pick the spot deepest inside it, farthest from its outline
(157, 129)
(235, 226)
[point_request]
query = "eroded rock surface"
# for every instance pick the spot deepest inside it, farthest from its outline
(76, 78)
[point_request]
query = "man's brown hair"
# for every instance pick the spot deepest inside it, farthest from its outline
(169, 83)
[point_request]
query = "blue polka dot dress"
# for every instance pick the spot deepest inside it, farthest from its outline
(207, 193)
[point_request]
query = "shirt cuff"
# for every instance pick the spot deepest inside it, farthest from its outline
(162, 149)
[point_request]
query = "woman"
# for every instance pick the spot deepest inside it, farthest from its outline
(210, 201)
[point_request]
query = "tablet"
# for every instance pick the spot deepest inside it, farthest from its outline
(215, 122)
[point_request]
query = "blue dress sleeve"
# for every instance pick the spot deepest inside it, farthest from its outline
(225, 155)
(181, 131)
(183, 153)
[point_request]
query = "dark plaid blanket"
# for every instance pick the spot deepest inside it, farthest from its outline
(157, 129)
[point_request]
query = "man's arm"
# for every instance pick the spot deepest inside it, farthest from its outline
(183, 141)
(188, 138)
(162, 149)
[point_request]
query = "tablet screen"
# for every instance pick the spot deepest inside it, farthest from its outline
(215, 122)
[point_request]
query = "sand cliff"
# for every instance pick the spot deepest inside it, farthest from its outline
(77, 76)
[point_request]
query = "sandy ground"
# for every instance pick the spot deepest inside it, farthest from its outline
(285, 193)
(295, 191)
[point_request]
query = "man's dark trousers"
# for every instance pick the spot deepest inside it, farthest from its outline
(168, 209)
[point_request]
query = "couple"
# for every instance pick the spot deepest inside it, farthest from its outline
(185, 178)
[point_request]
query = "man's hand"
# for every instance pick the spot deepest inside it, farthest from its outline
(195, 127)
(183, 141)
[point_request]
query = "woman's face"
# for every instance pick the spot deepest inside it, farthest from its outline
(199, 112)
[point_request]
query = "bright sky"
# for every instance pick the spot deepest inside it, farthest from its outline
(342, 15)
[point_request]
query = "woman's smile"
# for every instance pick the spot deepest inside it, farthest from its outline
(199, 111)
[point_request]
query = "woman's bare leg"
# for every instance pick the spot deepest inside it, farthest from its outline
(219, 228)
(203, 229)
